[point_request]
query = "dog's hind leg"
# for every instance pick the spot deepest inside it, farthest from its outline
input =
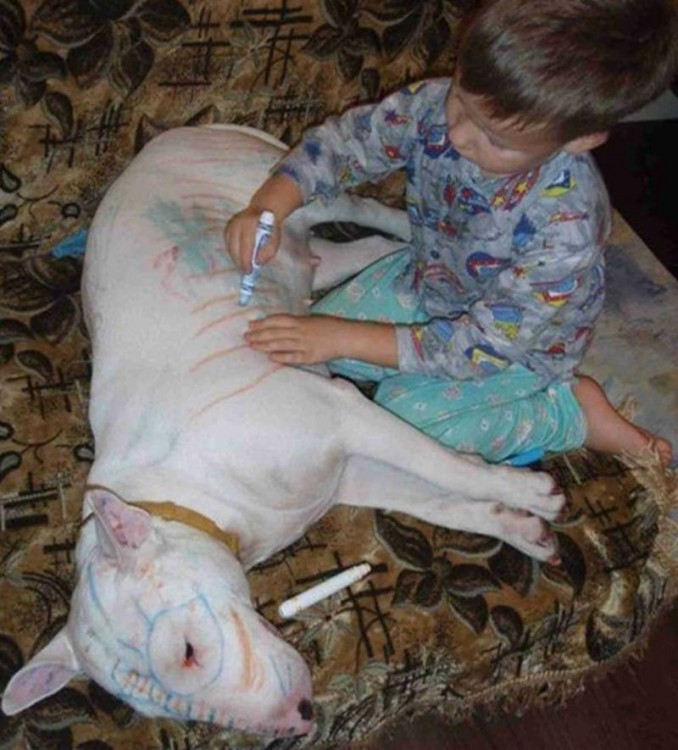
(372, 484)
(371, 431)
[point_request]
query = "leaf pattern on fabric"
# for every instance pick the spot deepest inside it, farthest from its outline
(606, 635)
(22, 63)
(9, 182)
(472, 611)
(13, 330)
(469, 580)
(507, 623)
(59, 111)
(9, 461)
(409, 544)
(121, 714)
(465, 542)
(425, 26)
(20, 292)
(343, 38)
(8, 213)
(572, 570)
(116, 36)
(37, 362)
(514, 569)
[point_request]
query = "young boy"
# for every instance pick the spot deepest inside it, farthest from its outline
(475, 330)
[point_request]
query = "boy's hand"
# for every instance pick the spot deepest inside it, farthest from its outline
(298, 340)
(280, 195)
(239, 237)
(307, 340)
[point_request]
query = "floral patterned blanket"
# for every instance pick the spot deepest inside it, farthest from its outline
(450, 621)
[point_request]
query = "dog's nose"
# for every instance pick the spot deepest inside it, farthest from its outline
(305, 709)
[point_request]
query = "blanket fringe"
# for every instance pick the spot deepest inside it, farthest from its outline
(556, 688)
(548, 691)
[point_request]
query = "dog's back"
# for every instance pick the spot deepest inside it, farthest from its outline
(181, 408)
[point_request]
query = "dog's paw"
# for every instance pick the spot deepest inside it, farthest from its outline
(535, 492)
(530, 534)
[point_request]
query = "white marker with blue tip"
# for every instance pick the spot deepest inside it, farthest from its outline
(264, 230)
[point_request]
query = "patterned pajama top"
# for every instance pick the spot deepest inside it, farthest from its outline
(508, 269)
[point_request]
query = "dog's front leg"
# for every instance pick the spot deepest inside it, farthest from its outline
(339, 261)
(366, 212)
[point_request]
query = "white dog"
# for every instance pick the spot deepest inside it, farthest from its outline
(210, 458)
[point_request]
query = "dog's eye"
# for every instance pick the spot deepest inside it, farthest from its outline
(186, 647)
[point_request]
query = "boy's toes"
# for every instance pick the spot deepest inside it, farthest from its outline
(662, 449)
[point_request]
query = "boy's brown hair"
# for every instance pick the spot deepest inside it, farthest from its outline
(576, 66)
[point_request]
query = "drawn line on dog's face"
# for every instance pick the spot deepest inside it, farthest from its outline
(249, 670)
(283, 684)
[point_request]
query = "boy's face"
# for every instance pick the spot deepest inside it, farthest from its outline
(498, 147)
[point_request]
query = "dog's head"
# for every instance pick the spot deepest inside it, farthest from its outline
(161, 617)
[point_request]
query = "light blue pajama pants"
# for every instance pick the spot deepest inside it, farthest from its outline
(497, 416)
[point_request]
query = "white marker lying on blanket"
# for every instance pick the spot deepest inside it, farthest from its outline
(324, 589)
(264, 231)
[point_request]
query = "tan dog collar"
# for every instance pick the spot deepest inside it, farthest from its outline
(169, 511)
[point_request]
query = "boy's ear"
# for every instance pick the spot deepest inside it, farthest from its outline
(586, 142)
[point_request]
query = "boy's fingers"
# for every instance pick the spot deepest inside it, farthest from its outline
(290, 358)
(277, 337)
(279, 320)
(234, 247)
(268, 250)
(266, 253)
(279, 346)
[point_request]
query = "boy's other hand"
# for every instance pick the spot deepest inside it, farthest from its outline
(307, 340)
(239, 237)
(298, 340)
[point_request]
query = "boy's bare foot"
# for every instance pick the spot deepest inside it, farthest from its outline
(608, 431)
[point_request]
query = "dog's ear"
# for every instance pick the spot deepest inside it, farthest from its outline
(45, 674)
(122, 529)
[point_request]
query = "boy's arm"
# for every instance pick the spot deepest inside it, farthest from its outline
(529, 326)
(364, 144)
(290, 339)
